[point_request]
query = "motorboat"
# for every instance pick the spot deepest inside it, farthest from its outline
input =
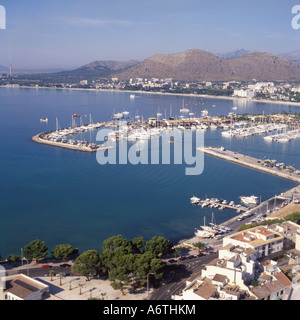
(194, 200)
(249, 201)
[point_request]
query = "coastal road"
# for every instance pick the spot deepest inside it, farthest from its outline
(178, 273)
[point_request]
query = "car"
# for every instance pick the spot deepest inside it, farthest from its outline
(63, 274)
(171, 260)
(182, 258)
(45, 266)
(65, 265)
(200, 254)
(191, 257)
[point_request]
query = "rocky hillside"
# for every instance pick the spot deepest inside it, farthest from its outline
(199, 65)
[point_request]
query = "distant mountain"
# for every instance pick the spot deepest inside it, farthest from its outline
(292, 56)
(4, 69)
(233, 54)
(101, 68)
(199, 65)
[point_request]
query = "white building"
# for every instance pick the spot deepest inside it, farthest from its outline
(22, 287)
(244, 93)
(262, 239)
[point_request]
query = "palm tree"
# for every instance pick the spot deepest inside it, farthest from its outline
(60, 277)
(51, 273)
(70, 288)
(80, 285)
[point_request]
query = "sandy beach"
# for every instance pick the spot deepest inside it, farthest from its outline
(296, 104)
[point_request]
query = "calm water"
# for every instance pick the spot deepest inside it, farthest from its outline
(62, 196)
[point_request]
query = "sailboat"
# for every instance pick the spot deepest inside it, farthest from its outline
(204, 234)
(184, 110)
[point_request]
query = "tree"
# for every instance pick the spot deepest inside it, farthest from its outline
(13, 258)
(62, 251)
(35, 250)
(200, 245)
(138, 244)
(87, 264)
(115, 242)
(147, 263)
(121, 275)
(159, 245)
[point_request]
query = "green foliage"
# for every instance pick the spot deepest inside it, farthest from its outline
(62, 251)
(127, 263)
(116, 242)
(200, 245)
(13, 258)
(294, 217)
(35, 250)
(87, 264)
(138, 244)
(159, 245)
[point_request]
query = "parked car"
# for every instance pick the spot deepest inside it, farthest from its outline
(65, 265)
(46, 266)
(171, 260)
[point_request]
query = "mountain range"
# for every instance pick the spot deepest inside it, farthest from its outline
(200, 65)
(189, 65)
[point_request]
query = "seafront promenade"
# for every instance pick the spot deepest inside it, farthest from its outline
(250, 162)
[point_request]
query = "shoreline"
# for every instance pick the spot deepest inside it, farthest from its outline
(294, 104)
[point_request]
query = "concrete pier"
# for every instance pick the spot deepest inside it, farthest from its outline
(42, 138)
(249, 162)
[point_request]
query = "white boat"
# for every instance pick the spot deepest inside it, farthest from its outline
(203, 234)
(44, 120)
(209, 229)
(184, 110)
(252, 200)
(194, 200)
(204, 113)
(132, 96)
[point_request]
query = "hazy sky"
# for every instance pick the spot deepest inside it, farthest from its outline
(71, 33)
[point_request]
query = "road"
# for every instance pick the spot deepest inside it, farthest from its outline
(176, 275)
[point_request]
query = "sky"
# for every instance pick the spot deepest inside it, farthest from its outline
(72, 33)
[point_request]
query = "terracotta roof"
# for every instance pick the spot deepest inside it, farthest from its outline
(206, 289)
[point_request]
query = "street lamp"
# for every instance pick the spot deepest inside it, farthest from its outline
(22, 256)
(148, 282)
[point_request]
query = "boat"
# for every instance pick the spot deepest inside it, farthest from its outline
(194, 200)
(204, 113)
(209, 229)
(76, 115)
(252, 200)
(203, 234)
(44, 120)
(132, 96)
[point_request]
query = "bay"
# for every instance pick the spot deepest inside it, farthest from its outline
(62, 196)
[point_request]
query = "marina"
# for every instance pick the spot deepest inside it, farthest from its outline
(284, 137)
(216, 203)
(41, 181)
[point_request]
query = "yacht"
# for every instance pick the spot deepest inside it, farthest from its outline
(252, 200)
(194, 200)
(203, 234)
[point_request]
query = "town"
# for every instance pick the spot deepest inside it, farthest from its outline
(258, 90)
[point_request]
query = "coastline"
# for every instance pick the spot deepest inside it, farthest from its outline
(295, 104)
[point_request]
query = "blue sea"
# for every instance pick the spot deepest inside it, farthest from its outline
(63, 196)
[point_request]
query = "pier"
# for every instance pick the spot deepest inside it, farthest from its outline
(250, 162)
(42, 138)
